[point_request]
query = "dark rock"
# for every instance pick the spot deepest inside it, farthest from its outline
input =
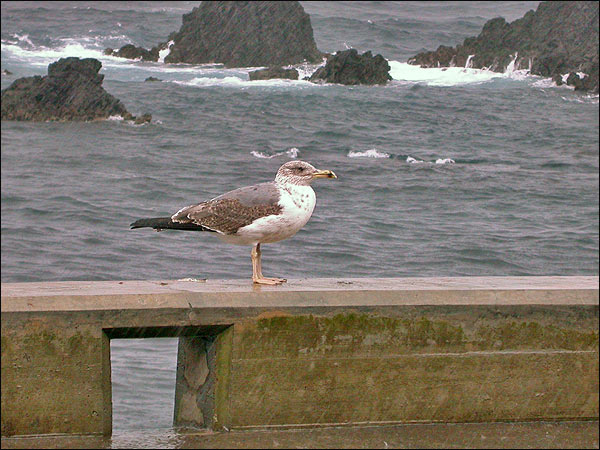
(559, 37)
(152, 79)
(72, 90)
(557, 78)
(130, 51)
(580, 84)
(348, 67)
(274, 72)
(574, 80)
(6, 72)
(143, 119)
(245, 34)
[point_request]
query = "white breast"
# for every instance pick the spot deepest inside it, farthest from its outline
(297, 203)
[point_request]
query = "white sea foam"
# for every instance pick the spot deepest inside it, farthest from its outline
(306, 69)
(92, 47)
(468, 63)
(511, 65)
(545, 83)
(165, 52)
(446, 76)
(549, 82)
(411, 160)
(292, 153)
(590, 98)
(450, 76)
(23, 38)
(41, 56)
(371, 153)
(233, 81)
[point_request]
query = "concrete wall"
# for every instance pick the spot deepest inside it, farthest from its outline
(308, 353)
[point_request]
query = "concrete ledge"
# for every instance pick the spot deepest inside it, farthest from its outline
(559, 435)
(103, 295)
(309, 352)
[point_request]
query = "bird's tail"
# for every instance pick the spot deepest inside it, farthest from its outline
(165, 223)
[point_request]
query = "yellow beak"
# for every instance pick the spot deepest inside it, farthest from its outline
(324, 174)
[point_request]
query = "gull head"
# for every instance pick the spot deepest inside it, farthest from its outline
(300, 173)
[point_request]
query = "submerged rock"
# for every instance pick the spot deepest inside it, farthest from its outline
(245, 34)
(348, 67)
(558, 38)
(72, 90)
(274, 72)
(152, 79)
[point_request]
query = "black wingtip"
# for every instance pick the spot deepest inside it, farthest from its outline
(150, 223)
(136, 224)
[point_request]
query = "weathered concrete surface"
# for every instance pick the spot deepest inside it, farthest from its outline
(429, 364)
(310, 352)
(55, 379)
(466, 435)
(307, 293)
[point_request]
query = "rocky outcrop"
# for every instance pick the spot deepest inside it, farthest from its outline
(130, 51)
(273, 72)
(237, 34)
(558, 38)
(72, 90)
(144, 118)
(348, 67)
(245, 34)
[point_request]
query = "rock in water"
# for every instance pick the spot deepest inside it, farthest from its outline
(274, 72)
(245, 34)
(130, 51)
(72, 90)
(558, 38)
(348, 67)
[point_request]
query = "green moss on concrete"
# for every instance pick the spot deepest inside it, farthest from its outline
(54, 372)
(485, 386)
(44, 341)
(360, 333)
(313, 330)
(519, 335)
(436, 365)
(222, 414)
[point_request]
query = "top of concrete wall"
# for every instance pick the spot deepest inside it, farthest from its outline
(323, 292)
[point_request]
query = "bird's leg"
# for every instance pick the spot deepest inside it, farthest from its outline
(257, 276)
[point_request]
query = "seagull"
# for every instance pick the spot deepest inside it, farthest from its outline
(252, 215)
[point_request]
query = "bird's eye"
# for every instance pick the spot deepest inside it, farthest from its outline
(301, 169)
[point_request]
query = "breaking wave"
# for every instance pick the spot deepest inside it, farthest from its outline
(292, 153)
(411, 160)
(21, 47)
(371, 153)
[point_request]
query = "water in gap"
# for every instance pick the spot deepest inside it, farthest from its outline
(143, 382)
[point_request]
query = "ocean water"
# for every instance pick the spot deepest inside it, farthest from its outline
(443, 172)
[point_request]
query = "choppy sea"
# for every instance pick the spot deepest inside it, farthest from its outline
(443, 172)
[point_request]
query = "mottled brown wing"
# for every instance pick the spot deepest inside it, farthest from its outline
(233, 210)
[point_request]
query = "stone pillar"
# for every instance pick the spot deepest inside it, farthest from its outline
(201, 386)
(194, 387)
